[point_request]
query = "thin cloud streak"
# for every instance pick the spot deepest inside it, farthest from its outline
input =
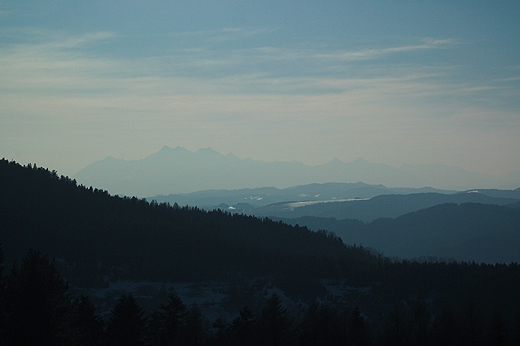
(54, 65)
(368, 54)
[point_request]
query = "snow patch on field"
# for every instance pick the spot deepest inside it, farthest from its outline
(306, 203)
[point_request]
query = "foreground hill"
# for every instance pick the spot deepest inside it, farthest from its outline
(132, 238)
(97, 237)
(178, 170)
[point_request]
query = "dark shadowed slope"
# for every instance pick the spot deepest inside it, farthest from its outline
(129, 237)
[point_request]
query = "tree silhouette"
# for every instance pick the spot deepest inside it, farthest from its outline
(395, 329)
(222, 335)
(168, 322)
(471, 323)
(3, 312)
(322, 326)
(242, 328)
(38, 308)
(195, 329)
(420, 323)
(498, 331)
(274, 325)
(87, 322)
(358, 334)
(127, 323)
(446, 329)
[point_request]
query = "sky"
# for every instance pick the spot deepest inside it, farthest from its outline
(394, 82)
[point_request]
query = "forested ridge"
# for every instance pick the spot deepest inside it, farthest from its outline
(103, 236)
(465, 232)
(153, 241)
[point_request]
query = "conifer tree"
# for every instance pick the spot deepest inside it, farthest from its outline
(395, 330)
(127, 323)
(274, 325)
(195, 330)
(3, 312)
(420, 323)
(168, 322)
(498, 330)
(322, 326)
(88, 323)
(242, 328)
(358, 334)
(38, 309)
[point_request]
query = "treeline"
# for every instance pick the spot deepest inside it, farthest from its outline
(35, 309)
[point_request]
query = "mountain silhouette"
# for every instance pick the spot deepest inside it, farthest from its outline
(178, 170)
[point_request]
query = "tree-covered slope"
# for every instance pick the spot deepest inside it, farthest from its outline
(136, 239)
(464, 232)
(97, 235)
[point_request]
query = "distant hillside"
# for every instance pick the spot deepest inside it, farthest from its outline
(264, 196)
(369, 209)
(512, 194)
(463, 232)
(174, 171)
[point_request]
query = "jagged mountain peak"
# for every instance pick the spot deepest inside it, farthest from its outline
(166, 150)
(360, 160)
(335, 162)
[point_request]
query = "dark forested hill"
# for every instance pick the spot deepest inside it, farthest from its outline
(97, 235)
(136, 239)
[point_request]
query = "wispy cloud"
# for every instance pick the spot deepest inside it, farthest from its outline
(367, 54)
(507, 79)
(54, 63)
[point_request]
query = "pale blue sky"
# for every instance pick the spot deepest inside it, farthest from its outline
(392, 82)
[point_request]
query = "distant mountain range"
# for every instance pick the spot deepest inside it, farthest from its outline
(178, 170)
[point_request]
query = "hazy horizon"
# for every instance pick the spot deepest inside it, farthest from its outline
(356, 159)
(393, 83)
(179, 170)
